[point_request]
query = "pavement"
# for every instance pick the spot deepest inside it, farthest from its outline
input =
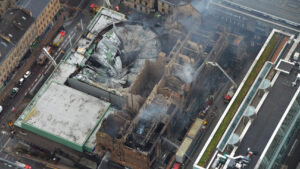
(268, 116)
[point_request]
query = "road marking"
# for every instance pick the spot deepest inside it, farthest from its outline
(5, 144)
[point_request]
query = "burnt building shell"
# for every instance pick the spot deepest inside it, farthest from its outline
(156, 100)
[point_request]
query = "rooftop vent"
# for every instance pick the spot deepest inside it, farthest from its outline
(234, 140)
(297, 79)
(265, 84)
(250, 112)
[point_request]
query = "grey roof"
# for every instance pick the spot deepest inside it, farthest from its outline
(35, 6)
(13, 26)
(268, 116)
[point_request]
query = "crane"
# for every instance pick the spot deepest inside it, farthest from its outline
(232, 89)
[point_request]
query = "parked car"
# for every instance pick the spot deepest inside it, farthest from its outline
(21, 81)
(14, 92)
(27, 74)
(1, 108)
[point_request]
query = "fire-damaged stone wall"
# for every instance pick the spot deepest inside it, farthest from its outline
(168, 6)
(144, 6)
(149, 75)
(122, 154)
(149, 6)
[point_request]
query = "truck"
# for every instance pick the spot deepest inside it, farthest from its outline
(59, 38)
(42, 58)
(94, 8)
(228, 96)
(191, 139)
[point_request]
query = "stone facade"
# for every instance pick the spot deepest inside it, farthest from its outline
(47, 16)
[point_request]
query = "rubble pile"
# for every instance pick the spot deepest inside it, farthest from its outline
(120, 54)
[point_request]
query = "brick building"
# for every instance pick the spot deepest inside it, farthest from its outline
(43, 11)
(19, 27)
(144, 6)
(167, 6)
(17, 32)
(148, 6)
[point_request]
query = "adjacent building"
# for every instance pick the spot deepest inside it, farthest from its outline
(52, 113)
(167, 6)
(144, 6)
(5, 4)
(43, 11)
(265, 128)
(17, 31)
(162, 6)
(20, 27)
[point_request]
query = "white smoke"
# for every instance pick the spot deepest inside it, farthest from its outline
(152, 111)
(200, 5)
(186, 74)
